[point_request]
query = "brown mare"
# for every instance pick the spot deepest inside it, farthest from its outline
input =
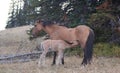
(81, 36)
(52, 45)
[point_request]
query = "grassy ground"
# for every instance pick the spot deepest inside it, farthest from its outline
(72, 65)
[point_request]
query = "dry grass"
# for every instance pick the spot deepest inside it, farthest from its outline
(72, 65)
(15, 41)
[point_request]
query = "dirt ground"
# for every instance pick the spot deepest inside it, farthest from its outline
(15, 41)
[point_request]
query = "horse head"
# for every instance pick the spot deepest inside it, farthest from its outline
(37, 28)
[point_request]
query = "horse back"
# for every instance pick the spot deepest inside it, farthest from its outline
(63, 33)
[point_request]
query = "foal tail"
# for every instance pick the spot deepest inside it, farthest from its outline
(88, 50)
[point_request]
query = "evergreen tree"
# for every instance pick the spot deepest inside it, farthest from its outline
(71, 12)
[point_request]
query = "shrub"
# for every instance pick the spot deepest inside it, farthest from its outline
(107, 50)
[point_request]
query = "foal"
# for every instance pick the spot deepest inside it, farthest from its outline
(53, 45)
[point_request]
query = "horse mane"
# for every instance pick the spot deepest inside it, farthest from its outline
(47, 22)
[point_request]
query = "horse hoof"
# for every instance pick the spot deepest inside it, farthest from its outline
(83, 64)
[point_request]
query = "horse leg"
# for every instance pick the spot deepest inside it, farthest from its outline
(63, 59)
(84, 62)
(42, 58)
(59, 58)
(54, 58)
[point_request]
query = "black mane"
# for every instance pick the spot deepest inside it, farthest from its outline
(47, 22)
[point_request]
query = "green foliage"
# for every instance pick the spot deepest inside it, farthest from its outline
(107, 50)
(74, 51)
(100, 22)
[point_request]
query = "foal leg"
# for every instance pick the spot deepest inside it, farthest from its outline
(54, 58)
(42, 59)
(63, 59)
(59, 58)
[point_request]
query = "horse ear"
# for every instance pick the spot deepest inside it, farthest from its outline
(38, 21)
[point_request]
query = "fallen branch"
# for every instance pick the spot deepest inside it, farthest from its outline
(20, 58)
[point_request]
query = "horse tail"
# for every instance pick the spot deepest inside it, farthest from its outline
(88, 50)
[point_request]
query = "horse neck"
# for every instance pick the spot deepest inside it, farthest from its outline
(51, 28)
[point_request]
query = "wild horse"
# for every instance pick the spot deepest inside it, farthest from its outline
(81, 35)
